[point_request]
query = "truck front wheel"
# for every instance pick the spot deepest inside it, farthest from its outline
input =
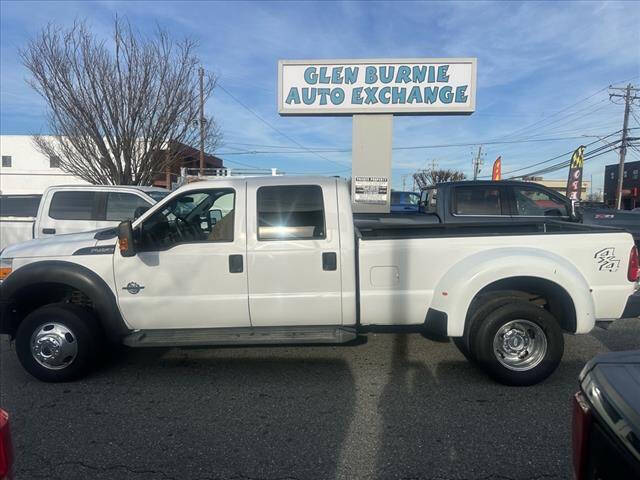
(57, 342)
(518, 344)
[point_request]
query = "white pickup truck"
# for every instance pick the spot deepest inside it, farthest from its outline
(279, 260)
(71, 208)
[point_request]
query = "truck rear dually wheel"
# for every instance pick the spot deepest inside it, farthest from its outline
(518, 344)
(58, 342)
(478, 311)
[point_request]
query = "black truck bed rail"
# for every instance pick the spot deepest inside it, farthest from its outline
(389, 231)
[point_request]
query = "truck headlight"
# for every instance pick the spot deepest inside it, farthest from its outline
(6, 267)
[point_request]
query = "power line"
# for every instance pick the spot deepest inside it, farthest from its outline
(557, 156)
(570, 117)
(528, 127)
(275, 129)
(413, 147)
(565, 163)
(258, 145)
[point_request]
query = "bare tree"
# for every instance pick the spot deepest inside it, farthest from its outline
(427, 178)
(121, 111)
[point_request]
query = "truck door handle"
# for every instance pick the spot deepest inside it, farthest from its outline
(329, 261)
(235, 264)
(49, 231)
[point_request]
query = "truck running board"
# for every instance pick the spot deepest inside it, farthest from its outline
(240, 336)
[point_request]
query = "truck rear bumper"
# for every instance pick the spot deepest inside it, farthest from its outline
(632, 309)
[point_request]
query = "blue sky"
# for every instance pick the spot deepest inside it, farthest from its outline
(534, 60)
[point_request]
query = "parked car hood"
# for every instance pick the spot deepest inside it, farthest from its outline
(57, 245)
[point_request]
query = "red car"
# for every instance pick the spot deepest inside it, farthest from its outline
(6, 450)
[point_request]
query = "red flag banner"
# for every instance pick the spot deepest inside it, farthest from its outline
(574, 182)
(497, 169)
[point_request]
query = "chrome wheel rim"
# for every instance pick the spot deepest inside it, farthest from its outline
(54, 346)
(520, 345)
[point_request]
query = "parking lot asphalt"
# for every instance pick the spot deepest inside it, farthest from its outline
(396, 407)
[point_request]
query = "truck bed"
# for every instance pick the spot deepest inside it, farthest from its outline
(404, 270)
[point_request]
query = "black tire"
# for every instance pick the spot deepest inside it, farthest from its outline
(84, 332)
(479, 309)
(483, 343)
(461, 343)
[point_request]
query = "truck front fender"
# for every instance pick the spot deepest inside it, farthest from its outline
(461, 283)
(62, 273)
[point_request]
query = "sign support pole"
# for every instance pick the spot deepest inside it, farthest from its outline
(371, 163)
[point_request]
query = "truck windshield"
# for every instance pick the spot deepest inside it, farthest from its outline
(198, 216)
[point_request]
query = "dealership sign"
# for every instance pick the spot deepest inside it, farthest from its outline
(412, 86)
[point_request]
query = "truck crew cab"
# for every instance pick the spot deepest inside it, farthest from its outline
(509, 201)
(278, 260)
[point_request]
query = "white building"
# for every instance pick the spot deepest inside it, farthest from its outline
(25, 170)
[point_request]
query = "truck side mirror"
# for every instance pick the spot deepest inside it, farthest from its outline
(422, 203)
(125, 239)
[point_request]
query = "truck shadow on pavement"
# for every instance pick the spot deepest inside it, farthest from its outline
(449, 419)
(204, 414)
(288, 413)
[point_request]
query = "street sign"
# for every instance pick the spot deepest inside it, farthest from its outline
(413, 86)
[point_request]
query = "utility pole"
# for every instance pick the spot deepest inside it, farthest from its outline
(628, 98)
(201, 75)
(477, 163)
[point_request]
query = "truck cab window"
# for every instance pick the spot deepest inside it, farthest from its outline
(19, 205)
(290, 212)
(477, 200)
(73, 205)
(532, 202)
(428, 199)
(122, 206)
(200, 216)
(407, 198)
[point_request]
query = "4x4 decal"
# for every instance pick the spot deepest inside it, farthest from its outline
(606, 260)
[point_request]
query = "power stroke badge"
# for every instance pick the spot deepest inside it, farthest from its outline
(607, 260)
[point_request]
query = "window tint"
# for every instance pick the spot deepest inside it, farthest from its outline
(203, 216)
(290, 212)
(72, 206)
(405, 198)
(477, 201)
(122, 206)
(157, 195)
(537, 203)
(429, 199)
(19, 205)
(6, 161)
